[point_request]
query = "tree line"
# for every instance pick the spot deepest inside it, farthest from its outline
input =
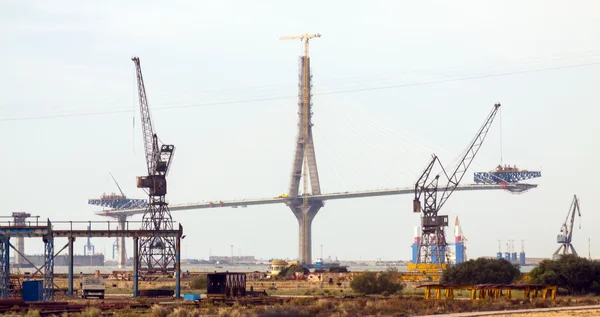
(573, 274)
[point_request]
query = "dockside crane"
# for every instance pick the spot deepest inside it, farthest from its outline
(157, 254)
(566, 231)
(432, 246)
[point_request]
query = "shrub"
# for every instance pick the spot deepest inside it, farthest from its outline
(199, 282)
(482, 271)
(576, 275)
(370, 283)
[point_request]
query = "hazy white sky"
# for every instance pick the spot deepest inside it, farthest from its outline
(69, 58)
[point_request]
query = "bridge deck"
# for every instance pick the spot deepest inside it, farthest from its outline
(320, 197)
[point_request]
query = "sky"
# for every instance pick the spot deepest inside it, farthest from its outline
(393, 83)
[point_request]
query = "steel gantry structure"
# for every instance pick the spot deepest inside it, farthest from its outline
(48, 234)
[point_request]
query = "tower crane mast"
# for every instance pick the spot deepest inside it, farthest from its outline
(156, 253)
(433, 240)
(566, 231)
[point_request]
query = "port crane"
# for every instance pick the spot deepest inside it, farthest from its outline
(432, 246)
(157, 254)
(566, 231)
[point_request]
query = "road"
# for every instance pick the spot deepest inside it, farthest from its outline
(579, 311)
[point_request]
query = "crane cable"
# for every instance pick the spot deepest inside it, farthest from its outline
(500, 136)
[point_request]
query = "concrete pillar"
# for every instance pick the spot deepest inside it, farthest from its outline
(20, 246)
(305, 218)
(122, 251)
(20, 243)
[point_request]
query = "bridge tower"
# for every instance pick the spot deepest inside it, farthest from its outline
(304, 165)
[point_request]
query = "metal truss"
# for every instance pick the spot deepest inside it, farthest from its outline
(4, 267)
(157, 254)
(48, 285)
(508, 177)
(118, 204)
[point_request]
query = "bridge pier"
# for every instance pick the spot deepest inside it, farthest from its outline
(305, 218)
(122, 251)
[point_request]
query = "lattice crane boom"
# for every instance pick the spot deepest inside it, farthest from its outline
(433, 240)
(574, 207)
(150, 138)
(467, 159)
(423, 185)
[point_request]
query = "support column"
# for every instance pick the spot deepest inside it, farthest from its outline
(177, 267)
(122, 251)
(305, 218)
(4, 267)
(48, 285)
(136, 266)
(21, 247)
(71, 241)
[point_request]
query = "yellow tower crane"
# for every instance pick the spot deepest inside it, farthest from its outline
(306, 37)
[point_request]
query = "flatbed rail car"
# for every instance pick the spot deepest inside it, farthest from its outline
(226, 285)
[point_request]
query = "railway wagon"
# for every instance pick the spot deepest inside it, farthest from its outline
(226, 285)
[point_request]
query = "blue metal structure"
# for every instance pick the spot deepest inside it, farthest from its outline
(415, 252)
(441, 252)
(117, 202)
(6, 232)
(48, 234)
(33, 291)
(506, 174)
(522, 258)
(4, 266)
(48, 285)
(460, 252)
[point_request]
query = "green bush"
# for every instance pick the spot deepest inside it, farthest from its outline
(576, 275)
(370, 283)
(199, 282)
(482, 271)
(291, 271)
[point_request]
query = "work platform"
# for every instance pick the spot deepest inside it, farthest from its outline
(47, 232)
